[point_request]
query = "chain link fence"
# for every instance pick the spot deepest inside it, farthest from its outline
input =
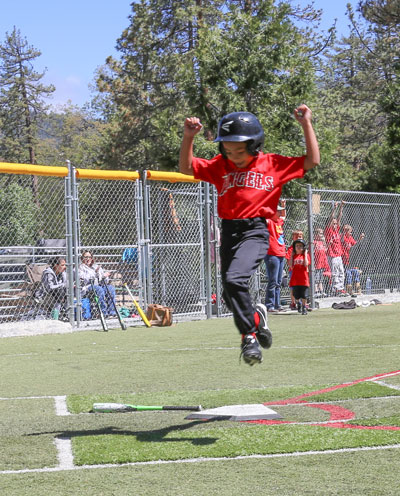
(159, 236)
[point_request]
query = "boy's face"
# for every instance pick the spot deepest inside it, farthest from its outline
(299, 248)
(237, 153)
(297, 235)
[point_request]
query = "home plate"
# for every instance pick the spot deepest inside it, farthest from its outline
(236, 412)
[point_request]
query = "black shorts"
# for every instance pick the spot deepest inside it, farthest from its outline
(300, 292)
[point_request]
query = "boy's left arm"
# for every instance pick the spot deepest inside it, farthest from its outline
(303, 115)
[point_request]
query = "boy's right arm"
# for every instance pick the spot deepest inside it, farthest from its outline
(191, 127)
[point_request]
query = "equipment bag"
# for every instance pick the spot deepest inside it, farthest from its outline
(158, 315)
(345, 305)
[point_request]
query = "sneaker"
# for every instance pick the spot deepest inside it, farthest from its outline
(299, 307)
(251, 352)
(304, 311)
(263, 333)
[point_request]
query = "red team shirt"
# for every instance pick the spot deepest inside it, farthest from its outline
(321, 260)
(253, 191)
(347, 242)
(333, 241)
(299, 272)
(276, 238)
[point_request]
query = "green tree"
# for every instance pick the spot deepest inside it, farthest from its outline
(205, 58)
(71, 133)
(21, 99)
(351, 120)
(18, 215)
(383, 55)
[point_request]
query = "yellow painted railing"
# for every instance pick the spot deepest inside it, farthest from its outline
(62, 171)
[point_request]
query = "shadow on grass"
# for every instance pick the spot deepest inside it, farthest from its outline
(151, 436)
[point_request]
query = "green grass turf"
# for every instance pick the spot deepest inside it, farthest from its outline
(198, 363)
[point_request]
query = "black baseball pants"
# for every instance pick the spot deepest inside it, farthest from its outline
(244, 244)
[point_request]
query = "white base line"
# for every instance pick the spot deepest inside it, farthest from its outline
(202, 460)
(64, 453)
(382, 383)
(61, 405)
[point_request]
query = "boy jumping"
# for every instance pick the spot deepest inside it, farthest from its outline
(249, 185)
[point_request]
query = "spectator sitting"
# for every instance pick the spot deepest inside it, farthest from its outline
(53, 289)
(89, 272)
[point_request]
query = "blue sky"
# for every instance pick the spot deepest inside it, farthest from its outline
(75, 37)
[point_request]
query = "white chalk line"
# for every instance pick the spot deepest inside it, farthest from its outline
(208, 348)
(202, 460)
(66, 459)
(382, 383)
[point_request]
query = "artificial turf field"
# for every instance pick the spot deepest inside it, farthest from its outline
(333, 375)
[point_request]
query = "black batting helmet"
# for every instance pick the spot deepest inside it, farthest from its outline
(239, 127)
(300, 241)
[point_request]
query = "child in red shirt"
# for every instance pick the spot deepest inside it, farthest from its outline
(249, 184)
(321, 262)
(299, 280)
(352, 273)
(297, 234)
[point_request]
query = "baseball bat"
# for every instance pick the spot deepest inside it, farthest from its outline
(96, 299)
(141, 313)
(122, 408)
(121, 322)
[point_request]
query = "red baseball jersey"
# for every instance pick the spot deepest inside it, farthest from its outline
(299, 275)
(253, 191)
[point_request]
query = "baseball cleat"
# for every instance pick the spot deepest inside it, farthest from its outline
(250, 352)
(263, 333)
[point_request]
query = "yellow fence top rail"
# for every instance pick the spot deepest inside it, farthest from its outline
(107, 174)
(62, 171)
(37, 170)
(172, 177)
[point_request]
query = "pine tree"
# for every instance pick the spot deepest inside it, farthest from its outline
(204, 58)
(21, 99)
(383, 56)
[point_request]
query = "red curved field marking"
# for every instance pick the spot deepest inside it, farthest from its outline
(337, 413)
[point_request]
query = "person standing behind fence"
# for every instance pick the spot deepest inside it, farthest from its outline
(53, 289)
(335, 249)
(275, 259)
(89, 271)
(249, 184)
(352, 273)
(297, 234)
(321, 265)
(299, 279)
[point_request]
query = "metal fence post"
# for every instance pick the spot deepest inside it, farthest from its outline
(69, 235)
(76, 246)
(311, 242)
(144, 244)
(207, 252)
